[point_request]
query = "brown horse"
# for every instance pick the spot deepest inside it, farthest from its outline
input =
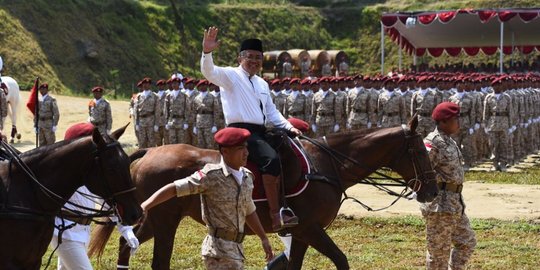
(348, 157)
(35, 185)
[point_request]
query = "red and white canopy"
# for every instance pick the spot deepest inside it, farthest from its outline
(467, 30)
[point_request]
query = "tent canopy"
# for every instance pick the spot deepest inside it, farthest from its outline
(465, 30)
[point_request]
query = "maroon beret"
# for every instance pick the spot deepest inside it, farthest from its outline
(286, 79)
(161, 82)
(202, 82)
(314, 82)
(189, 80)
(499, 79)
(445, 110)
(97, 89)
(299, 124)
(146, 80)
(421, 79)
(305, 81)
(231, 136)
(45, 85)
(275, 82)
(175, 79)
(295, 80)
(78, 130)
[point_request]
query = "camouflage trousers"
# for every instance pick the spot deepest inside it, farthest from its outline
(358, 127)
(161, 137)
(450, 241)
(46, 136)
(205, 138)
(498, 145)
(465, 141)
(481, 143)
(146, 137)
(189, 137)
(324, 131)
(176, 135)
(2, 121)
(212, 263)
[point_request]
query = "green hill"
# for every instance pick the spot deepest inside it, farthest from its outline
(76, 44)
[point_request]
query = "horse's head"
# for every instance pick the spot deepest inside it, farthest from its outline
(113, 179)
(415, 167)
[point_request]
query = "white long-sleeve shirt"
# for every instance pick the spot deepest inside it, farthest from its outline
(242, 96)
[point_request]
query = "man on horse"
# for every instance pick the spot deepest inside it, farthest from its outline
(247, 104)
(227, 205)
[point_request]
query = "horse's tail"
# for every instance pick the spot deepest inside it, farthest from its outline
(99, 239)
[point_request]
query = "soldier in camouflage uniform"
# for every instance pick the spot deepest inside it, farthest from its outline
(325, 111)
(304, 67)
(326, 69)
(498, 115)
(287, 70)
(467, 118)
(359, 110)
(220, 119)
(99, 111)
(205, 111)
(146, 114)
(391, 110)
(191, 93)
(225, 190)
(277, 95)
(406, 86)
(450, 239)
(341, 98)
(48, 117)
(423, 102)
(161, 136)
(296, 105)
(177, 111)
(3, 109)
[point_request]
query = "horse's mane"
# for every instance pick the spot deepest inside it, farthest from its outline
(37, 152)
(352, 135)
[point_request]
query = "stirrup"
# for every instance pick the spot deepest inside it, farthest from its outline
(293, 219)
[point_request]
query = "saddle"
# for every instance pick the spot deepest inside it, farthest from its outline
(275, 138)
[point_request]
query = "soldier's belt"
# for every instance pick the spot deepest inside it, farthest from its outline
(326, 114)
(204, 112)
(45, 118)
(359, 111)
(424, 114)
(463, 114)
(392, 114)
(145, 115)
(96, 123)
(233, 236)
(177, 116)
(499, 114)
(450, 187)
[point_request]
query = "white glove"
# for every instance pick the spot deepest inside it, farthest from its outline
(167, 126)
(108, 131)
(214, 129)
(195, 130)
(336, 128)
(486, 130)
(368, 124)
(379, 124)
(403, 126)
(529, 121)
(186, 126)
(131, 239)
(314, 127)
(471, 131)
(137, 127)
(89, 119)
(156, 128)
(348, 126)
(476, 126)
(510, 130)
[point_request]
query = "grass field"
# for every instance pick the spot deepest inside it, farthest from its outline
(369, 243)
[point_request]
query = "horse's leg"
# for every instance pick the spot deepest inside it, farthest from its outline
(298, 250)
(315, 236)
(144, 232)
(163, 239)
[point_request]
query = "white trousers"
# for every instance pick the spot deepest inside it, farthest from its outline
(71, 255)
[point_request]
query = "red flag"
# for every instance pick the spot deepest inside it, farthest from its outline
(33, 99)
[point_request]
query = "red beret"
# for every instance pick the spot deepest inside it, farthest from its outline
(299, 124)
(314, 82)
(189, 80)
(421, 79)
(46, 86)
(324, 79)
(499, 79)
(295, 80)
(161, 82)
(275, 81)
(286, 79)
(146, 80)
(231, 136)
(444, 111)
(305, 81)
(202, 82)
(175, 79)
(97, 89)
(78, 130)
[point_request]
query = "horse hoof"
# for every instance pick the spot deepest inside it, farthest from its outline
(18, 136)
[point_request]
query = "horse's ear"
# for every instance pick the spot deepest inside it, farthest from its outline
(97, 138)
(118, 133)
(413, 123)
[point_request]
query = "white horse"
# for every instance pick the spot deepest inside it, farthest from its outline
(13, 99)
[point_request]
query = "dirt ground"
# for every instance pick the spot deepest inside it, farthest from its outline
(500, 201)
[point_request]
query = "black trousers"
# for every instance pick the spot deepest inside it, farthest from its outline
(260, 152)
